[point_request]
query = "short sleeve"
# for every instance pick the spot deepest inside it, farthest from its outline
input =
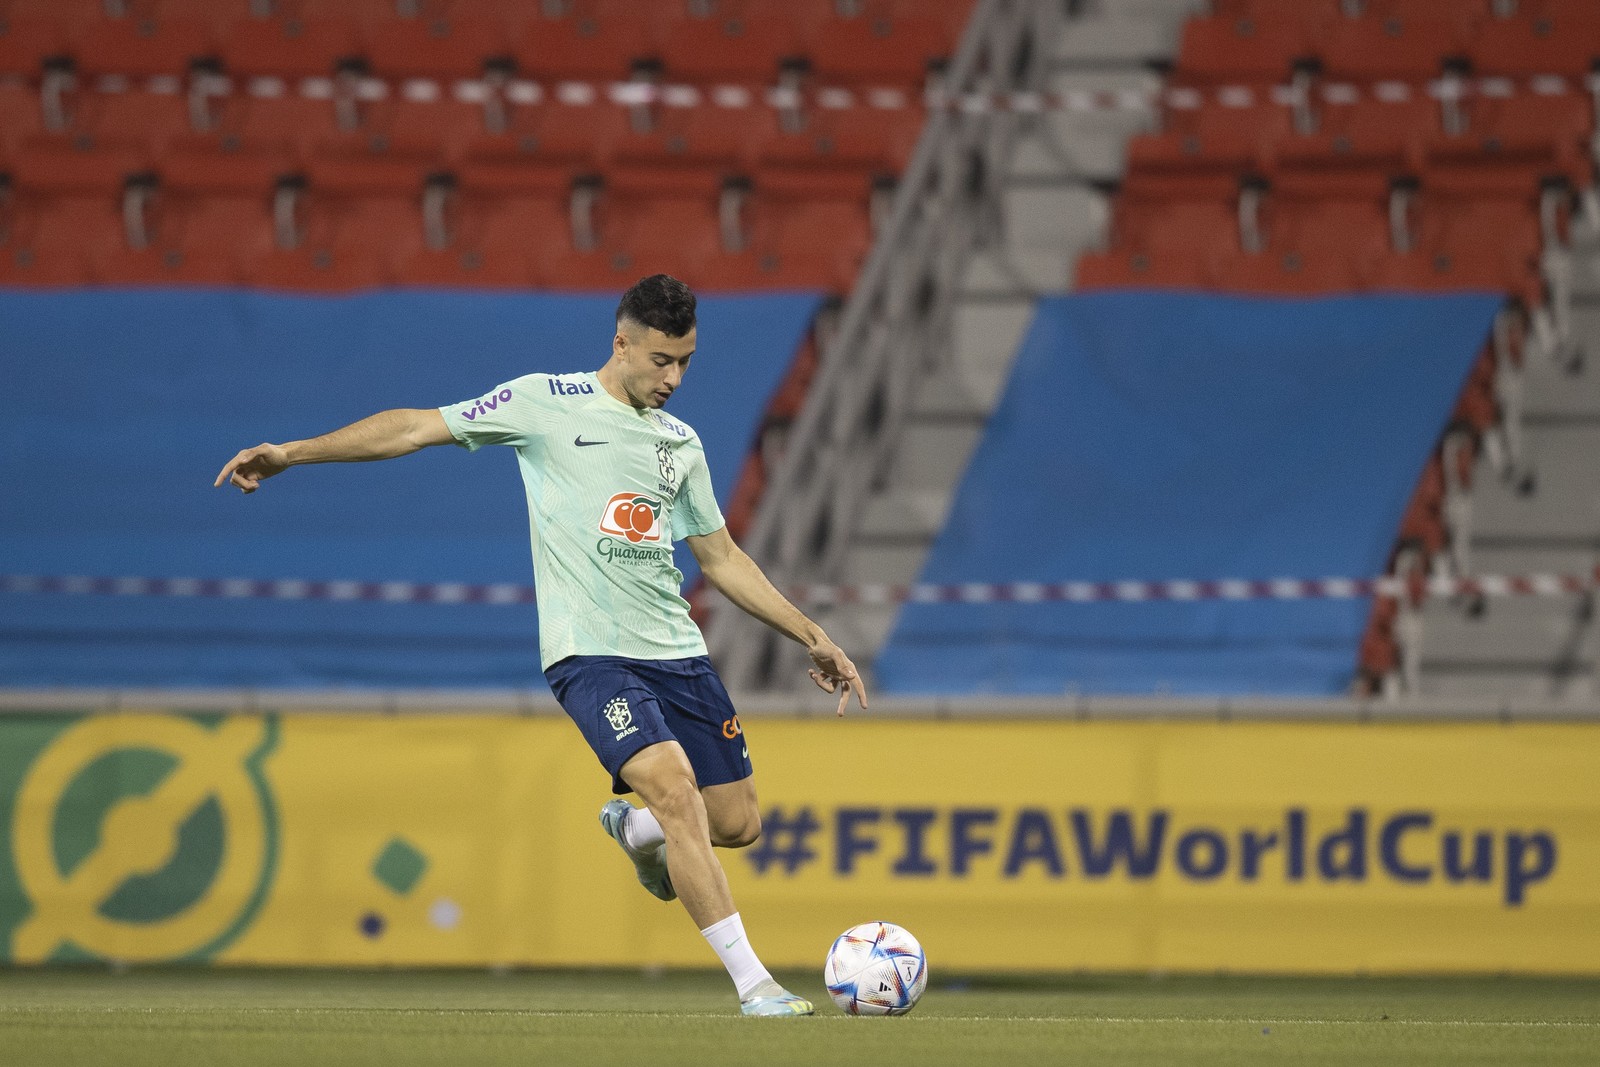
(695, 511)
(512, 414)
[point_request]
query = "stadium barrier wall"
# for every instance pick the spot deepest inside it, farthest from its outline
(300, 837)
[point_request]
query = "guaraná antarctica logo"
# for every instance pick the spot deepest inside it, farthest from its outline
(143, 838)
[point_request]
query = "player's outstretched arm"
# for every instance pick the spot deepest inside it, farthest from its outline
(387, 434)
(736, 576)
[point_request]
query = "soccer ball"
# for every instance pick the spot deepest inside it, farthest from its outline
(876, 969)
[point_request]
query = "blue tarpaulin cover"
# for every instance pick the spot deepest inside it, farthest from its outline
(1150, 435)
(124, 404)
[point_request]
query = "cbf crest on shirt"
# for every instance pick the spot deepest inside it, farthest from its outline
(610, 487)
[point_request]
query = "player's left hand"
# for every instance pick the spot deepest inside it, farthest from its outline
(834, 673)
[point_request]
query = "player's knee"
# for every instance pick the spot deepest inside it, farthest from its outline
(741, 832)
(675, 799)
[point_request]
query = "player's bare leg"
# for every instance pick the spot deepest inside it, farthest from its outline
(662, 777)
(732, 813)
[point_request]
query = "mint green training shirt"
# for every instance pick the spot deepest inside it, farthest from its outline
(610, 488)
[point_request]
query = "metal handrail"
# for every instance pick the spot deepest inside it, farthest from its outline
(849, 424)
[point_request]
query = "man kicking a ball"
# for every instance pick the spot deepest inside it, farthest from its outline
(611, 482)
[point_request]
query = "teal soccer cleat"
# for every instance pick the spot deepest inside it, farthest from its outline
(651, 865)
(771, 1000)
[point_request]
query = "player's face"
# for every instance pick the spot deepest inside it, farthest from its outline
(650, 364)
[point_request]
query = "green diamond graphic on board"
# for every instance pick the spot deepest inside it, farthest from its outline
(399, 866)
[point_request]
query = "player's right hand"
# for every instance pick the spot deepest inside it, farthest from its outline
(248, 468)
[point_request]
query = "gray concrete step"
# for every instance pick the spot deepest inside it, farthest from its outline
(1524, 633)
(1088, 143)
(1566, 500)
(932, 453)
(1134, 9)
(1046, 228)
(906, 514)
(1534, 555)
(1477, 681)
(890, 562)
(1119, 38)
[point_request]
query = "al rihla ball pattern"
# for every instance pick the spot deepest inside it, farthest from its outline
(876, 968)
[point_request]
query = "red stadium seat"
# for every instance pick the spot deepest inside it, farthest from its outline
(495, 240)
(802, 237)
(1241, 137)
(205, 164)
(1539, 39)
(350, 242)
(221, 17)
(198, 238)
(1297, 271)
(1560, 123)
(269, 61)
(288, 48)
(142, 47)
(62, 166)
(131, 116)
(434, 48)
(1222, 50)
(68, 19)
(600, 39)
(1194, 231)
(556, 131)
(1179, 166)
(731, 138)
(19, 115)
(878, 48)
(1121, 268)
(436, 130)
(1367, 130)
(728, 48)
(359, 13)
(26, 43)
(51, 239)
(1395, 47)
(1310, 16)
(68, 208)
(859, 136)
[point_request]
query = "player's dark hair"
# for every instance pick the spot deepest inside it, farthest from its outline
(660, 302)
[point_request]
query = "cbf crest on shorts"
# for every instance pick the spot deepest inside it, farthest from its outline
(620, 716)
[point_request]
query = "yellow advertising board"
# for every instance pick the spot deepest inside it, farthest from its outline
(327, 839)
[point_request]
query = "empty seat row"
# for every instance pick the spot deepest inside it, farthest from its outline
(600, 39)
(1465, 263)
(1325, 166)
(1454, 228)
(337, 229)
(1317, 15)
(591, 133)
(1412, 46)
(1373, 129)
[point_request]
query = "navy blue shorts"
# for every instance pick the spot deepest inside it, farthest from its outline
(623, 705)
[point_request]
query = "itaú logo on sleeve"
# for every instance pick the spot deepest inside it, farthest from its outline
(633, 516)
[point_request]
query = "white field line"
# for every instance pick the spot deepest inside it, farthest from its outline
(532, 1013)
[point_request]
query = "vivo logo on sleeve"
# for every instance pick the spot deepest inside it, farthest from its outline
(487, 404)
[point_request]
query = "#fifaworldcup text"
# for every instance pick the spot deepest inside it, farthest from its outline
(1407, 847)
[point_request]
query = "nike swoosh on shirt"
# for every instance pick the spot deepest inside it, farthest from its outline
(581, 443)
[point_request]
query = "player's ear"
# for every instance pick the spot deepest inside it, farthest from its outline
(619, 344)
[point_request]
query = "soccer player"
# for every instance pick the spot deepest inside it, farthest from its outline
(611, 482)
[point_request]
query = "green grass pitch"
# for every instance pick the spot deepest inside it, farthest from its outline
(308, 1018)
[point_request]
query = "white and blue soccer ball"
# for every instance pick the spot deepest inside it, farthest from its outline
(876, 969)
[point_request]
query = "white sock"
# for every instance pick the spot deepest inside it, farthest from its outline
(733, 949)
(641, 830)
